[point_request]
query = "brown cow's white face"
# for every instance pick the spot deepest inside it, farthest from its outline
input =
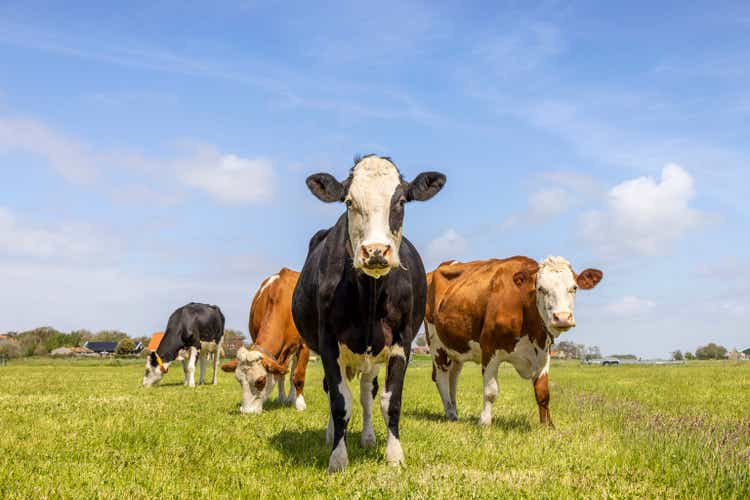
(375, 195)
(255, 380)
(556, 287)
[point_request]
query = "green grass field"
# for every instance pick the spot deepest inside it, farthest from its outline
(87, 429)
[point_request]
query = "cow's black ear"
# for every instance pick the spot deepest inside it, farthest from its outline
(326, 188)
(425, 186)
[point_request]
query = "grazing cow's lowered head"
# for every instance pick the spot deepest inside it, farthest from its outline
(375, 195)
(155, 370)
(257, 375)
(556, 285)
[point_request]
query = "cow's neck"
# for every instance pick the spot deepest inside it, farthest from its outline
(534, 326)
(370, 290)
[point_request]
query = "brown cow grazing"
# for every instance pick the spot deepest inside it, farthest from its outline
(500, 310)
(275, 342)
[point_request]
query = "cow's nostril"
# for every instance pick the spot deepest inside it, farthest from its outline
(260, 383)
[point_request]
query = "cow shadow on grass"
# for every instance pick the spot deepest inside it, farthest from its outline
(514, 423)
(308, 448)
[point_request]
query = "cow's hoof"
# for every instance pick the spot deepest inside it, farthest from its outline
(250, 411)
(368, 440)
(300, 404)
(394, 455)
(339, 459)
(451, 415)
(485, 420)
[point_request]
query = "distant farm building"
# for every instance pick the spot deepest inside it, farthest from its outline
(101, 348)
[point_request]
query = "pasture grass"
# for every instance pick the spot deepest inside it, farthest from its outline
(81, 428)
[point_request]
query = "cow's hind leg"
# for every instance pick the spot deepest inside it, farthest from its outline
(390, 404)
(368, 388)
(203, 355)
(217, 360)
(489, 376)
(340, 401)
(442, 381)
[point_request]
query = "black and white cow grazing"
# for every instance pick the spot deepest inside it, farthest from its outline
(361, 296)
(192, 328)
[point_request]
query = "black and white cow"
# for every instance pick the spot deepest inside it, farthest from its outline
(194, 329)
(361, 296)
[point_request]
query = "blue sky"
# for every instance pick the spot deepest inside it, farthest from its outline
(155, 153)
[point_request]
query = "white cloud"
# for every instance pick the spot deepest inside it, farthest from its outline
(644, 216)
(447, 246)
(69, 158)
(229, 178)
(629, 306)
(66, 241)
(547, 203)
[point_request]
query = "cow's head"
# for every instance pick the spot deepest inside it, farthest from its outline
(155, 370)
(555, 285)
(257, 374)
(375, 195)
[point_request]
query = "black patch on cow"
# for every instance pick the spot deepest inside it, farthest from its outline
(375, 387)
(187, 327)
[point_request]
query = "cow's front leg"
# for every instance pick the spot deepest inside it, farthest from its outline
(298, 378)
(541, 391)
(390, 404)
(454, 373)
(190, 375)
(340, 402)
(490, 365)
(368, 388)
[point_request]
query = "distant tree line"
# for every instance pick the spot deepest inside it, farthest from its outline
(710, 351)
(41, 341)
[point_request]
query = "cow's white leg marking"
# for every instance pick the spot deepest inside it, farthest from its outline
(329, 430)
(490, 389)
(185, 361)
(340, 458)
(394, 454)
(191, 367)
(366, 398)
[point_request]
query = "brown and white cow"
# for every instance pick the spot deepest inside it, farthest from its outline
(275, 343)
(500, 310)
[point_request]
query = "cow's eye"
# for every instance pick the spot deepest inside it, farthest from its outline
(402, 202)
(543, 290)
(348, 203)
(574, 289)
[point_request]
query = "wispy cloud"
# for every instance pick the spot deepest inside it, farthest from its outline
(70, 158)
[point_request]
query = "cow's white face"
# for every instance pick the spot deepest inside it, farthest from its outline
(556, 287)
(153, 374)
(375, 195)
(255, 380)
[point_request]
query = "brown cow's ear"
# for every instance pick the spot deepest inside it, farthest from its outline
(231, 366)
(521, 277)
(272, 366)
(589, 278)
